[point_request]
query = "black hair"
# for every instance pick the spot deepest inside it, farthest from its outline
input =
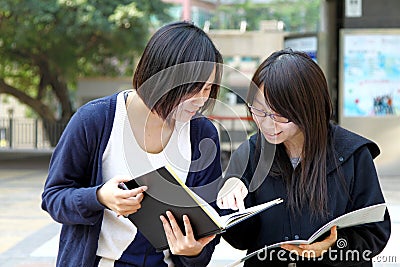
(177, 61)
(295, 87)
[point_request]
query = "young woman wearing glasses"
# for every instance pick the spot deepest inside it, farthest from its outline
(321, 170)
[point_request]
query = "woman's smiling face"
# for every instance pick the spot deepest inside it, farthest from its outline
(273, 131)
(189, 106)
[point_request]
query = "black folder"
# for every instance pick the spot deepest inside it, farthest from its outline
(166, 192)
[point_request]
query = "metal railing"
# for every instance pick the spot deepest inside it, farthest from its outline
(232, 130)
(28, 133)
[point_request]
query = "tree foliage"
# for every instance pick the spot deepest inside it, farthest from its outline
(297, 15)
(45, 45)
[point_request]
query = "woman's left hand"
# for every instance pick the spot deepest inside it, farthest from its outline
(315, 249)
(179, 243)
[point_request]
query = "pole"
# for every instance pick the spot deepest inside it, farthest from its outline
(186, 6)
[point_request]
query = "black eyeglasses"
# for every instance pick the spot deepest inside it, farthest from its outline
(261, 113)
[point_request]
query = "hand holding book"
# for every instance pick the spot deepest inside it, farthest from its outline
(315, 249)
(180, 200)
(374, 213)
(370, 214)
(183, 243)
(121, 202)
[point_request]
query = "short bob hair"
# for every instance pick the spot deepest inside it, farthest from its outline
(177, 61)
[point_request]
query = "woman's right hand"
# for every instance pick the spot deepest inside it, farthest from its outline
(123, 202)
(232, 194)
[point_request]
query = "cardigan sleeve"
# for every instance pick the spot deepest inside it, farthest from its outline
(364, 241)
(67, 196)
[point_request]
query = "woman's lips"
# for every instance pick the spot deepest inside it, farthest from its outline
(274, 134)
(192, 111)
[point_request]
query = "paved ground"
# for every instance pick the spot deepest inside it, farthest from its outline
(29, 237)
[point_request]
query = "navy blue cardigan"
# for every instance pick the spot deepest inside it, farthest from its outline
(75, 174)
(354, 156)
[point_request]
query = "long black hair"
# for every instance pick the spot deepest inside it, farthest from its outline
(295, 87)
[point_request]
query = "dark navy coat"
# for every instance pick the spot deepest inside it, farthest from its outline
(354, 157)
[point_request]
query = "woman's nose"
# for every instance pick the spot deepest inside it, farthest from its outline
(267, 122)
(199, 101)
(201, 97)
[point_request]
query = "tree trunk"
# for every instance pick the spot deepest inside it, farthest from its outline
(53, 126)
(53, 131)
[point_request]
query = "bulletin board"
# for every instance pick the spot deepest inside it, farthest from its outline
(370, 72)
(369, 91)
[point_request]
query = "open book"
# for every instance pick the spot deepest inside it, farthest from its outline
(166, 192)
(374, 213)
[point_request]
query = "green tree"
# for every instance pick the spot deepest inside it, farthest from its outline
(45, 45)
(298, 15)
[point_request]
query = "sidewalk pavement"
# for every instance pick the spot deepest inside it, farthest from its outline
(29, 237)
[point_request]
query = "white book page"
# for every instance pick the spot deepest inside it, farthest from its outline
(369, 214)
(236, 217)
(233, 218)
(290, 242)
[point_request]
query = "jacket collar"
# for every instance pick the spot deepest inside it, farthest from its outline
(345, 144)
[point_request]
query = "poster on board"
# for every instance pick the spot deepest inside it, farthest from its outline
(370, 73)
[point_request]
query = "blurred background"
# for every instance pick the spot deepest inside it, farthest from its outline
(56, 55)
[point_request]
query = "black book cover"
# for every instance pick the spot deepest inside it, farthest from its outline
(166, 193)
